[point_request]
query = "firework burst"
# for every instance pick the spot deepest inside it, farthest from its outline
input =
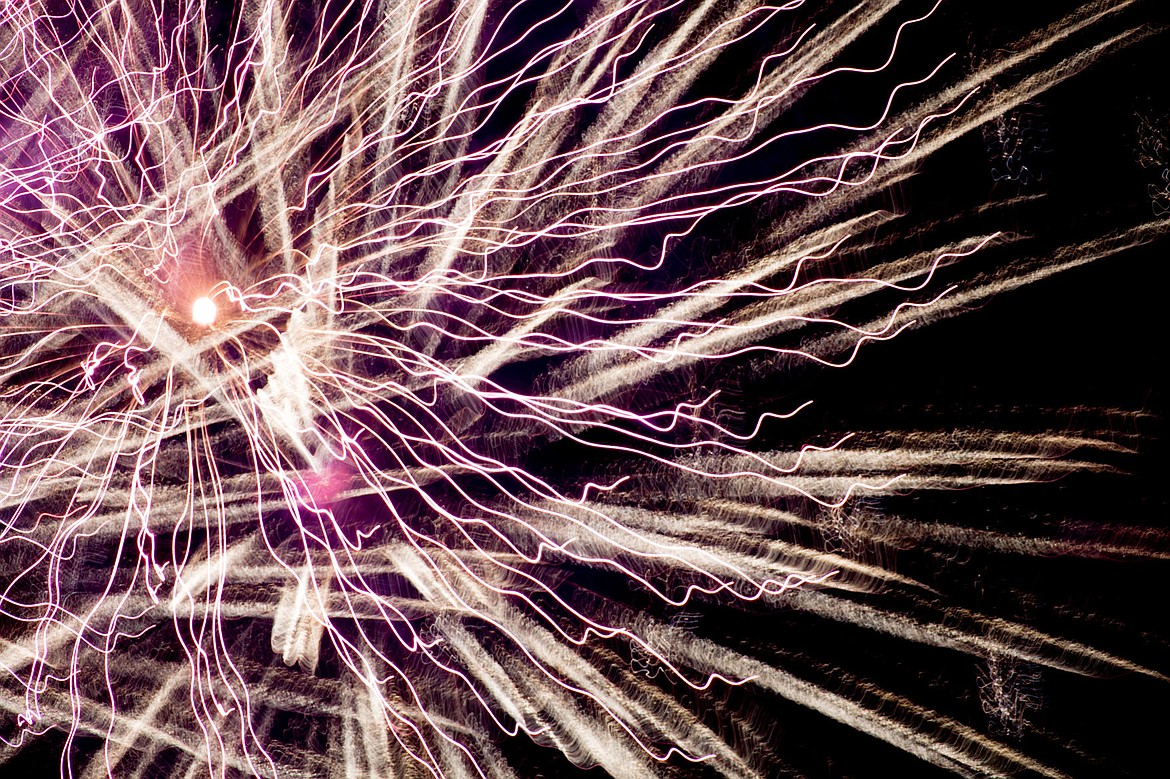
(389, 383)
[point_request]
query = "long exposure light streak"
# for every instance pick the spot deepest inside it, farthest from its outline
(386, 383)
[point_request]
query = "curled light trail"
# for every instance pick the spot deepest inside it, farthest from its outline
(306, 306)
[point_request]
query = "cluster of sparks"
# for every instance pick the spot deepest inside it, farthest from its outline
(292, 296)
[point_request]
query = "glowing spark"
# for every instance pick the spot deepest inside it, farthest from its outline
(203, 312)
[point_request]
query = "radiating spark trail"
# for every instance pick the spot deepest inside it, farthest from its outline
(379, 379)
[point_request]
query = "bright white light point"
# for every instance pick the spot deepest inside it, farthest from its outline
(203, 312)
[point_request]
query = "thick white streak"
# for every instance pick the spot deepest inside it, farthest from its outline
(298, 623)
(937, 740)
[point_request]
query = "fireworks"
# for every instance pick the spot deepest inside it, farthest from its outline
(386, 384)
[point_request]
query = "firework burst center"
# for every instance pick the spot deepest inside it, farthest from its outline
(203, 311)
